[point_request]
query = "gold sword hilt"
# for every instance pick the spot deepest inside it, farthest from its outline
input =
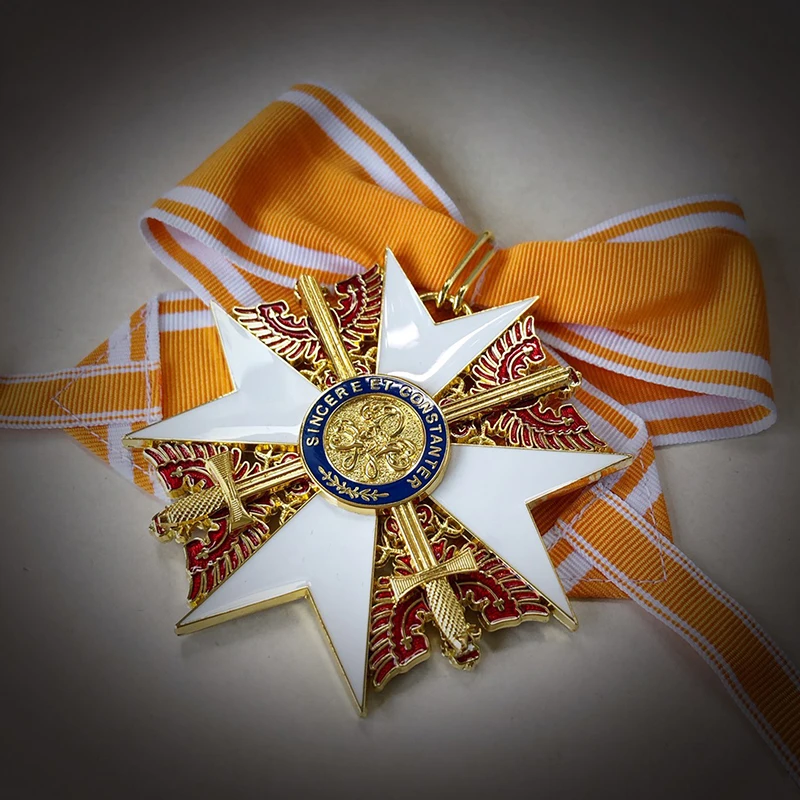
(220, 467)
(458, 564)
(196, 508)
(446, 609)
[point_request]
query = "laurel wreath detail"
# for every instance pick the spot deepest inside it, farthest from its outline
(341, 487)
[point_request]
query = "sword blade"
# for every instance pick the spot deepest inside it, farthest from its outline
(530, 387)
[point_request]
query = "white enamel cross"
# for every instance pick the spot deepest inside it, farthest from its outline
(326, 552)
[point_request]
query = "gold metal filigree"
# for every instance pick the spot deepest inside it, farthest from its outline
(374, 439)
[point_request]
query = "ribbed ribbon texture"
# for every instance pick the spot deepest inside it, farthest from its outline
(662, 310)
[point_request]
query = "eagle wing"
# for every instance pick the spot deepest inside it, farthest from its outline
(547, 424)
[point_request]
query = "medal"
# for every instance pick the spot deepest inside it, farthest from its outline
(382, 465)
(381, 451)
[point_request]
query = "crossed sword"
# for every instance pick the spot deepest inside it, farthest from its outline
(432, 575)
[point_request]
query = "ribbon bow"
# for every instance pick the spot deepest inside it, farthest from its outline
(662, 310)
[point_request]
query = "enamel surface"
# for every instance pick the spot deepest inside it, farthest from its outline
(413, 347)
(324, 549)
(267, 406)
(487, 489)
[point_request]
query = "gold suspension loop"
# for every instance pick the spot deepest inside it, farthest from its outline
(458, 300)
(447, 286)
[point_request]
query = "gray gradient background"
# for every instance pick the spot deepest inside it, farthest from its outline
(539, 121)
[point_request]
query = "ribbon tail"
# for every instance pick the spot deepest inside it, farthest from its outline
(760, 678)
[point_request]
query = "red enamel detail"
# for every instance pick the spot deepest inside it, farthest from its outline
(502, 596)
(210, 559)
(397, 640)
(356, 306)
(516, 353)
(499, 596)
(512, 355)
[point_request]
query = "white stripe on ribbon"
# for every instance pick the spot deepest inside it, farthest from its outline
(682, 225)
(170, 263)
(90, 419)
(715, 434)
(135, 414)
(185, 321)
(234, 282)
(611, 435)
(79, 373)
(158, 489)
(263, 243)
(176, 295)
(152, 351)
(351, 143)
(573, 569)
(119, 456)
(642, 497)
(722, 389)
(686, 407)
(732, 360)
(652, 209)
(152, 344)
(600, 426)
(227, 273)
(665, 409)
(400, 149)
(119, 345)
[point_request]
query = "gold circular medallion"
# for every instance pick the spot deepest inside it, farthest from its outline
(374, 439)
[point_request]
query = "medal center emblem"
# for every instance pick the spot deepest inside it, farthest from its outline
(374, 441)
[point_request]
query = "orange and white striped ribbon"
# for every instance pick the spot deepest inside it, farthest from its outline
(662, 310)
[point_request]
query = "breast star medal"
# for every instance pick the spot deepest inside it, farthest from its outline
(380, 464)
